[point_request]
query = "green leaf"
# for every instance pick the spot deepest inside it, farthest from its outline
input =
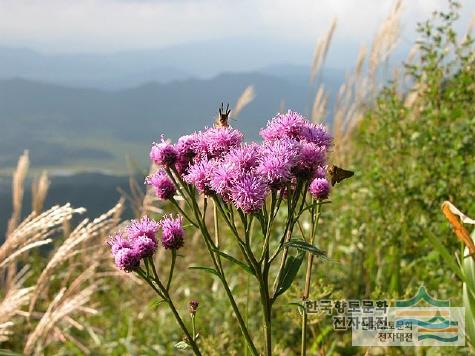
(291, 268)
(299, 305)
(206, 269)
(156, 303)
(469, 298)
(182, 345)
(235, 261)
(446, 256)
(303, 245)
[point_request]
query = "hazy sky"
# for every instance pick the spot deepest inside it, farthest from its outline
(110, 25)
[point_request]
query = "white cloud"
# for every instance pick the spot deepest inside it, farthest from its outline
(108, 25)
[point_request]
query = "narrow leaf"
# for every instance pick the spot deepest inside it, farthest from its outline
(299, 305)
(304, 246)
(206, 269)
(291, 268)
(235, 261)
(156, 303)
(446, 256)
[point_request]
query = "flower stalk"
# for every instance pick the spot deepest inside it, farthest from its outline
(315, 217)
(248, 184)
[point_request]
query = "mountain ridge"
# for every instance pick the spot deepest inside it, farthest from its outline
(83, 127)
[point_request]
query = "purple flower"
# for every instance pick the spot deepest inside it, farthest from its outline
(317, 134)
(172, 232)
(319, 188)
(289, 125)
(310, 157)
(245, 157)
(143, 227)
(144, 246)
(221, 140)
(164, 187)
(199, 175)
(214, 142)
(186, 152)
(181, 165)
(321, 172)
(278, 158)
(127, 259)
(125, 256)
(221, 178)
(193, 306)
(248, 191)
(295, 126)
(117, 242)
(185, 145)
(163, 153)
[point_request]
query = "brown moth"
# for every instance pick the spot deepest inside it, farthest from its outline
(223, 118)
(338, 174)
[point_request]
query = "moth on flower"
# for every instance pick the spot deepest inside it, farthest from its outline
(338, 174)
(223, 119)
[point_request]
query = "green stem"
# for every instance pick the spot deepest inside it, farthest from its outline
(267, 309)
(315, 215)
(270, 220)
(211, 247)
(193, 326)
(141, 273)
(172, 268)
(175, 312)
(247, 308)
(175, 203)
(288, 232)
(308, 276)
(190, 339)
(162, 292)
(241, 243)
(178, 186)
(239, 317)
(216, 224)
(303, 349)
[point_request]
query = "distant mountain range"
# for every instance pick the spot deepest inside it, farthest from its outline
(131, 68)
(87, 112)
(93, 128)
(108, 71)
(119, 70)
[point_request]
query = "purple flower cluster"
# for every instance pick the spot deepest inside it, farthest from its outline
(214, 142)
(163, 153)
(198, 175)
(248, 191)
(136, 242)
(215, 161)
(319, 188)
(278, 159)
(310, 141)
(295, 126)
(139, 241)
(172, 232)
(163, 186)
